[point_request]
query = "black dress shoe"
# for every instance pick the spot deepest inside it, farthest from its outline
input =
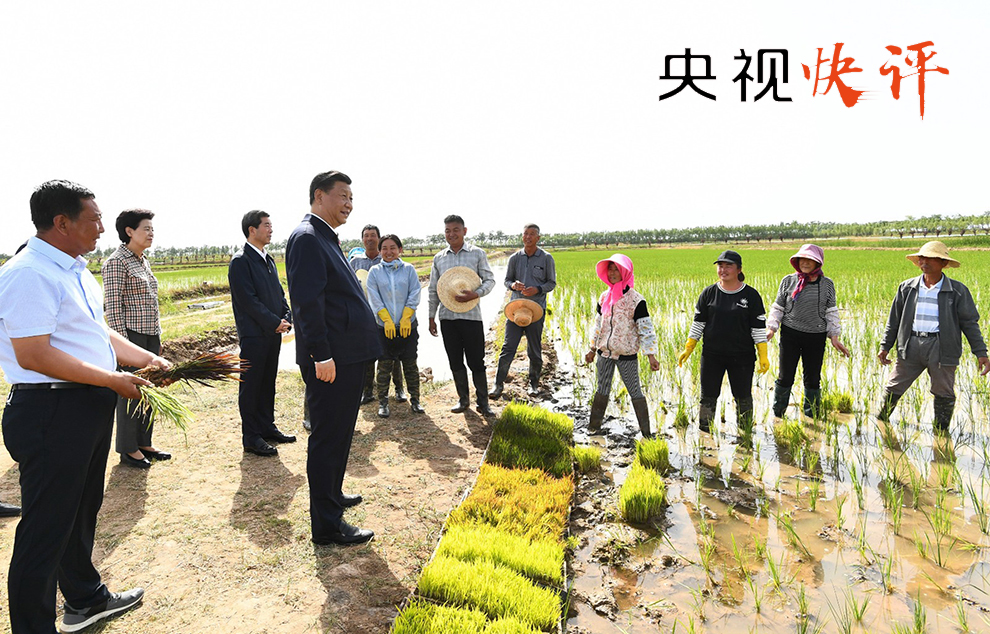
(156, 455)
(308, 426)
(383, 411)
(485, 410)
(533, 389)
(347, 500)
(128, 461)
(415, 407)
(461, 406)
(277, 436)
(261, 448)
(400, 395)
(344, 535)
(9, 510)
(367, 398)
(497, 392)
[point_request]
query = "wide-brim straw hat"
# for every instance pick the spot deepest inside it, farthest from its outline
(362, 276)
(452, 282)
(523, 312)
(935, 249)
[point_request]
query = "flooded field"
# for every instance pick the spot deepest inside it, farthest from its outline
(841, 524)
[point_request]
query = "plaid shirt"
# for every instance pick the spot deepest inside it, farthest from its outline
(130, 293)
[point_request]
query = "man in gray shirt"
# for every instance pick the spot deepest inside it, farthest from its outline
(463, 333)
(531, 275)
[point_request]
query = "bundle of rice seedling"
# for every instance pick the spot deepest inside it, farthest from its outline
(204, 369)
(158, 404)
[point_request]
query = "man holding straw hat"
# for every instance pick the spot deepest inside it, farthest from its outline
(530, 276)
(461, 275)
(927, 318)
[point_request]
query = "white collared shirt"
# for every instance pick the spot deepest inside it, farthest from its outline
(45, 291)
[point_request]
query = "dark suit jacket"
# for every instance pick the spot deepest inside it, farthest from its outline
(332, 317)
(256, 294)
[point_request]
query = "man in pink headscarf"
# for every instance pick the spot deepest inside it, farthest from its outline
(622, 328)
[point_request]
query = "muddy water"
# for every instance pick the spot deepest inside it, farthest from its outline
(755, 538)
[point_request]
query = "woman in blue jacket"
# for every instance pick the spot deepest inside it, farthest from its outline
(393, 291)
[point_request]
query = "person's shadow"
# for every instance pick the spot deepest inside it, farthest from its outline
(419, 438)
(349, 572)
(123, 507)
(263, 497)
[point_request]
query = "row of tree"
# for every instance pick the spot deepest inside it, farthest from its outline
(935, 226)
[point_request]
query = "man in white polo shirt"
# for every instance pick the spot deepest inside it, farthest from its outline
(928, 317)
(61, 360)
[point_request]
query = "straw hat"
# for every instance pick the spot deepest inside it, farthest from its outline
(935, 249)
(362, 276)
(523, 312)
(452, 282)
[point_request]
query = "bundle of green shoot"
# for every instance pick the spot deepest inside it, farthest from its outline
(206, 369)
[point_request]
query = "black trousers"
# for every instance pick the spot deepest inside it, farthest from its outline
(464, 338)
(808, 347)
(256, 392)
(534, 338)
(133, 427)
(740, 369)
(61, 439)
(333, 411)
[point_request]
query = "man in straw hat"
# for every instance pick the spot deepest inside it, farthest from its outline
(459, 313)
(928, 314)
(530, 276)
(336, 336)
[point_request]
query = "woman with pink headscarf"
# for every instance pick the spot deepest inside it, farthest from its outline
(622, 329)
(806, 314)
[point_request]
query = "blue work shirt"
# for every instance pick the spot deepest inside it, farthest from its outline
(46, 291)
(393, 286)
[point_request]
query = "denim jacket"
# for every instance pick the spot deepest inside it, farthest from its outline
(957, 315)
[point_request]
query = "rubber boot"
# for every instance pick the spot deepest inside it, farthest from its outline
(781, 397)
(383, 411)
(463, 396)
(597, 413)
(706, 414)
(642, 416)
(812, 404)
(481, 389)
(369, 383)
(411, 371)
(944, 406)
(384, 374)
(887, 406)
(744, 415)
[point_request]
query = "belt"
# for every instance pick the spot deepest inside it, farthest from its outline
(918, 333)
(60, 385)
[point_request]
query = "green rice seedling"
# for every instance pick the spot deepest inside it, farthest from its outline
(857, 485)
(161, 405)
(917, 483)
(508, 625)
(744, 462)
(742, 561)
(758, 592)
(784, 521)
(919, 545)
(587, 458)
(856, 608)
(838, 401)
(760, 547)
(529, 502)
(886, 571)
(423, 617)
(840, 502)
(979, 504)
(843, 618)
(814, 489)
(494, 590)
(681, 418)
(653, 453)
(706, 554)
(961, 615)
(811, 460)
(802, 600)
(790, 434)
(531, 437)
(897, 510)
(540, 559)
(775, 570)
(642, 495)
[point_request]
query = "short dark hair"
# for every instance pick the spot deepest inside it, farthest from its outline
(57, 198)
(371, 228)
(532, 226)
(252, 219)
(325, 181)
(454, 218)
(391, 236)
(130, 218)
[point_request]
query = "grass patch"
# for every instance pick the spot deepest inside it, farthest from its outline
(539, 559)
(642, 495)
(587, 459)
(654, 454)
(494, 590)
(529, 437)
(528, 503)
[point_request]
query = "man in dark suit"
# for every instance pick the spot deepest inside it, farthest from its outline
(336, 335)
(261, 315)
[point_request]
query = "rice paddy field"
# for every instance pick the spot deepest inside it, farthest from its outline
(840, 524)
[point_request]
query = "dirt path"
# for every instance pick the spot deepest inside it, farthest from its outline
(220, 539)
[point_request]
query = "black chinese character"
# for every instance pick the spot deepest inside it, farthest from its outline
(744, 75)
(687, 78)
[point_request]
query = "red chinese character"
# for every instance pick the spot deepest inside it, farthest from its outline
(895, 84)
(839, 67)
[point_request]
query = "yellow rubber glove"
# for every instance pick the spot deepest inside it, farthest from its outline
(389, 324)
(764, 362)
(688, 349)
(405, 322)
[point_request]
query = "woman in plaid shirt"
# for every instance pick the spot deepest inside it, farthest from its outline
(130, 305)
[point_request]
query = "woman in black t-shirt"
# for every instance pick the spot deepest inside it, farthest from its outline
(731, 318)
